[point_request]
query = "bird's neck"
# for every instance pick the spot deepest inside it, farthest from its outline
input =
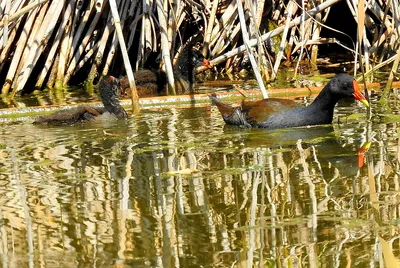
(323, 106)
(113, 106)
(183, 67)
(325, 100)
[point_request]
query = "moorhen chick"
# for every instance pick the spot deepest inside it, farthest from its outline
(281, 113)
(109, 89)
(150, 83)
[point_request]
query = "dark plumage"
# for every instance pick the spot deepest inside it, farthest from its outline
(109, 90)
(281, 113)
(149, 82)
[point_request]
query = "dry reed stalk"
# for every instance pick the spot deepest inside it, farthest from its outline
(133, 25)
(9, 46)
(77, 35)
(32, 31)
(100, 53)
(173, 16)
(55, 47)
(380, 65)
(181, 16)
(162, 15)
(24, 10)
(18, 52)
(146, 36)
(5, 21)
(249, 50)
(270, 34)
(2, 8)
(41, 38)
(360, 38)
(111, 54)
(52, 76)
(224, 20)
(219, 34)
(98, 6)
(290, 11)
(210, 26)
(256, 11)
(128, 68)
(102, 44)
(17, 5)
(316, 35)
(394, 70)
(219, 37)
(85, 58)
(226, 35)
(66, 42)
(259, 12)
(148, 40)
(302, 38)
(11, 32)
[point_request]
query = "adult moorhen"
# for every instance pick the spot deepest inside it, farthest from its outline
(149, 82)
(281, 113)
(109, 89)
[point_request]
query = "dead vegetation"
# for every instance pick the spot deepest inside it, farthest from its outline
(55, 43)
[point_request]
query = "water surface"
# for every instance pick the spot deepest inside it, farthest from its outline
(177, 188)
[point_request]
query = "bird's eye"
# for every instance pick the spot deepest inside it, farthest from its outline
(345, 84)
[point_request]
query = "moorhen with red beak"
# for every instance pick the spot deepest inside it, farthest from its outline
(281, 113)
(109, 90)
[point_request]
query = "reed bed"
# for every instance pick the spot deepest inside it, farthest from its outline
(48, 43)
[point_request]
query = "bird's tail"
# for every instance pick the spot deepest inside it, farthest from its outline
(231, 115)
(224, 109)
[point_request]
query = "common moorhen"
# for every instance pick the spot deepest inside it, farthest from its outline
(281, 113)
(150, 82)
(109, 90)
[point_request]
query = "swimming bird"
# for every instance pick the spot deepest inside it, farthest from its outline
(109, 91)
(274, 113)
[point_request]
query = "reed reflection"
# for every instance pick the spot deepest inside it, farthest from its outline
(174, 188)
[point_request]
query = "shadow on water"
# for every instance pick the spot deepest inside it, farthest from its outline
(178, 188)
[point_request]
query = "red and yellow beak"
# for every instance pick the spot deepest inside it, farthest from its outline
(207, 64)
(358, 95)
(361, 153)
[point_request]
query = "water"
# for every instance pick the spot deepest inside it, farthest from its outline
(177, 188)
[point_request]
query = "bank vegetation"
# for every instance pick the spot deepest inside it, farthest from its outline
(48, 43)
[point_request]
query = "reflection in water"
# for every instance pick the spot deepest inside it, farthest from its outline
(175, 188)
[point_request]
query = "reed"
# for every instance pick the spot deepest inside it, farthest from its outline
(56, 42)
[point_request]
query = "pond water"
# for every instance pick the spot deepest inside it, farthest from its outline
(175, 187)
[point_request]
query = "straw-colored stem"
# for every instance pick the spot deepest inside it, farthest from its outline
(128, 68)
(270, 34)
(100, 53)
(290, 11)
(172, 22)
(82, 24)
(249, 50)
(18, 52)
(23, 11)
(302, 39)
(162, 17)
(210, 25)
(394, 70)
(315, 36)
(54, 48)
(66, 43)
(8, 47)
(52, 79)
(83, 43)
(5, 20)
(37, 47)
